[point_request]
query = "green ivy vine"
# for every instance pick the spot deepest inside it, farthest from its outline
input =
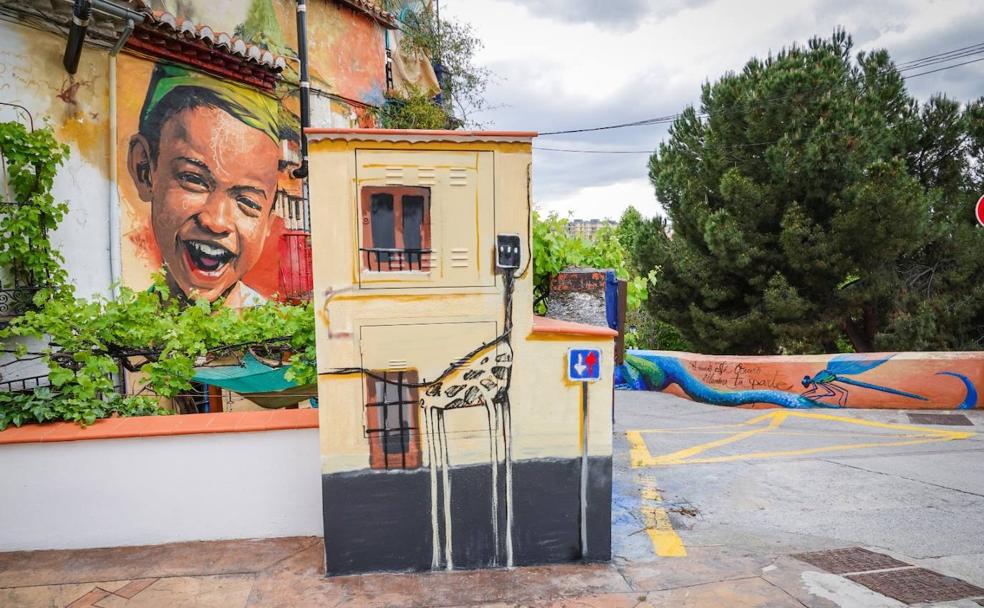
(151, 332)
(30, 213)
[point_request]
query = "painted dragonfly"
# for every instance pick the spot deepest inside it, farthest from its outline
(837, 372)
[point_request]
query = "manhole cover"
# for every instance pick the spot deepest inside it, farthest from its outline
(943, 419)
(852, 559)
(917, 585)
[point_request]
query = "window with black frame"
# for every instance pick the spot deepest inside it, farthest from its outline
(392, 420)
(396, 229)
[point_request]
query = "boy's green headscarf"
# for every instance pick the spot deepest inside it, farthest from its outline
(252, 107)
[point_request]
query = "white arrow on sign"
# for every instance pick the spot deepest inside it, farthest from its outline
(580, 366)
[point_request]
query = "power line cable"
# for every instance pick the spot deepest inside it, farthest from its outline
(537, 148)
(920, 62)
(949, 67)
(945, 54)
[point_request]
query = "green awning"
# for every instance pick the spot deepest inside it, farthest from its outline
(262, 384)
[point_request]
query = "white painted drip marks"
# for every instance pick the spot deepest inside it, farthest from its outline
(437, 405)
(446, 478)
(493, 412)
(506, 432)
(429, 433)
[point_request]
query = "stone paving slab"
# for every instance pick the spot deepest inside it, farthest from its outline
(224, 591)
(33, 568)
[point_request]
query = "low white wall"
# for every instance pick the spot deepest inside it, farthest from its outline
(155, 490)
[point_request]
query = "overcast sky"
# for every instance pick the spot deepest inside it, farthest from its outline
(567, 64)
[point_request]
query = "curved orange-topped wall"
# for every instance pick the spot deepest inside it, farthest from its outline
(909, 380)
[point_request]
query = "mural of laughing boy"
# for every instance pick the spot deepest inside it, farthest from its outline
(206, 158)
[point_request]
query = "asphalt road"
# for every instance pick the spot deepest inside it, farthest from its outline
(692, 478)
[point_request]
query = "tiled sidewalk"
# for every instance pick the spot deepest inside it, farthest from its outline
(288, 572)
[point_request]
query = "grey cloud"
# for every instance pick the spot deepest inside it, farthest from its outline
(561, 173)
(613, 14)
(523, 104)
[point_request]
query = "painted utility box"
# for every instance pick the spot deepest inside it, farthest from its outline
(451, 436)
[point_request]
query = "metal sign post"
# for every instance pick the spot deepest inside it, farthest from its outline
(584, 366)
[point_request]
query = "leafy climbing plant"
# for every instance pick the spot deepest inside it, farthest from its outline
(31, 160)
(452, 47)
(414, 110)
(151, 332)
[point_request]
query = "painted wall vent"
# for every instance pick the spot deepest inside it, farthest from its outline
(458, 177)
(460, 257)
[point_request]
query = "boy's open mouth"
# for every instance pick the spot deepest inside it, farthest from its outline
(209, 258)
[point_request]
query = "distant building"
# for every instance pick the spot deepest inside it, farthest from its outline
(586, 229)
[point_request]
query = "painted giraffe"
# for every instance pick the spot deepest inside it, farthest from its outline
(482, 382)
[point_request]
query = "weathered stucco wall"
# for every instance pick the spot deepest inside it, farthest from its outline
(32, 75)
(870, 380)
(346, 49)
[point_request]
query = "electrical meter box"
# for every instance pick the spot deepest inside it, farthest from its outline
(450, 434)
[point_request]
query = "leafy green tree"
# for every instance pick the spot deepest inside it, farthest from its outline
(630, 225)
(452, 47)
(797, 205)
(940, 301)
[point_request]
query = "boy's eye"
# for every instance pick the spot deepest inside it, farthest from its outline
(193, 181)
(250, 206)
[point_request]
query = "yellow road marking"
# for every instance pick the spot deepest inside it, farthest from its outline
(666, 541)
(651, 494)
(640, 456)
(781, 433)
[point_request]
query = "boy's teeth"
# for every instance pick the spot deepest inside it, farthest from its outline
(209, 250)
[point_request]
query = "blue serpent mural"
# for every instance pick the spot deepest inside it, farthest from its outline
(650, 371)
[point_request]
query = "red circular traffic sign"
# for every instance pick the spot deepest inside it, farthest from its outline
(980, 211)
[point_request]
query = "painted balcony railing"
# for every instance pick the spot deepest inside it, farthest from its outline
(394, 260)
(296, 273)
(295, 212)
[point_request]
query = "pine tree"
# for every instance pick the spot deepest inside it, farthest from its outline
(803, 200)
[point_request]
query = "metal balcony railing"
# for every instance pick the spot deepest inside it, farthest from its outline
(394, 260)
(24, 385)
(16, 296)
(15, 301)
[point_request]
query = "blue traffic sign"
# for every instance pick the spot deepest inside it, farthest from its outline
(584, 365)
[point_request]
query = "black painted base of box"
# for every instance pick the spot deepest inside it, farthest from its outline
(381, 520)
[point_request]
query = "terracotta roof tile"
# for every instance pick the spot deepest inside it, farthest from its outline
(544, 325)
(166, 22)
